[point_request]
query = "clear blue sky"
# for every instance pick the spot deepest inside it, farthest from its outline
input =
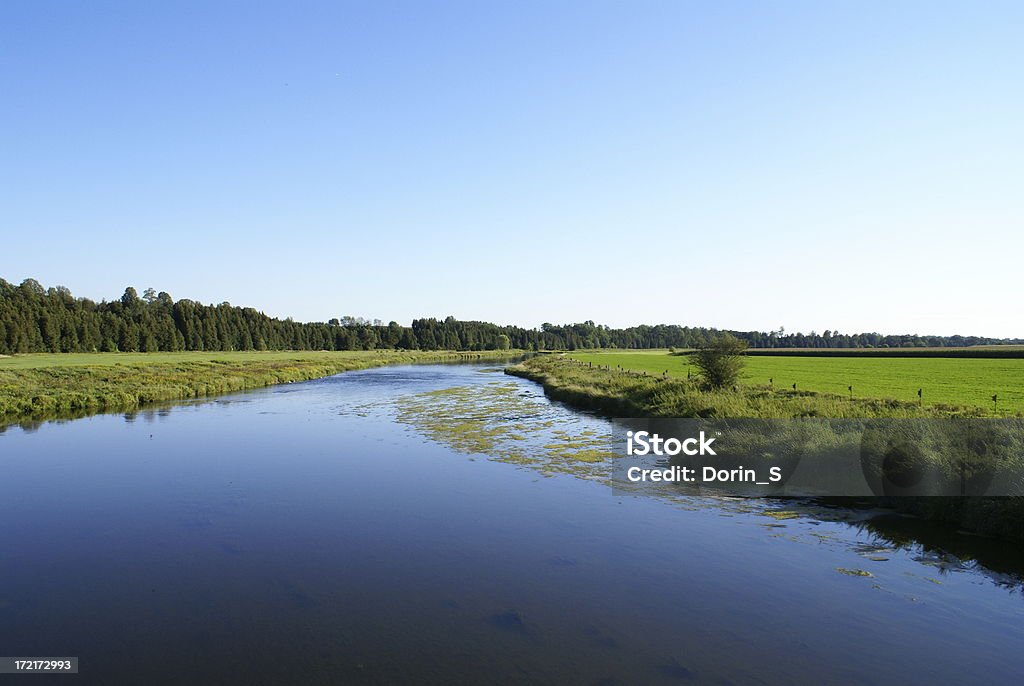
(818, 165)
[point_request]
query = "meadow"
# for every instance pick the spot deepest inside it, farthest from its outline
(45, 386)
(945, 381)
(44, 360)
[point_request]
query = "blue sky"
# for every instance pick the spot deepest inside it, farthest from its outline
(817, 165)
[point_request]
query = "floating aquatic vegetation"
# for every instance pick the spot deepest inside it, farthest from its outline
(873, 552)
(782, 514)
(500, 420)
(854, 572)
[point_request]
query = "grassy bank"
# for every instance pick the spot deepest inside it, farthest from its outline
(602, 386)
(943, 381)
(633, 394)
(55, 385)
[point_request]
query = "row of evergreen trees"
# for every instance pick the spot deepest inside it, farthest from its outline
(37, 319)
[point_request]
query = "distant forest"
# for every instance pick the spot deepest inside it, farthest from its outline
(38, 319)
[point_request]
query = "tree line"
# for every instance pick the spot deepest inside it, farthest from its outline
(38, 319)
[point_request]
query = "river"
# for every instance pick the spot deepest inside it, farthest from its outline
(448, 524)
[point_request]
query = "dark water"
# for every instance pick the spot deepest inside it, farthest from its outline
(301, 535)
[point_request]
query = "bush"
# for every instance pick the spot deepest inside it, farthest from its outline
(721, 361)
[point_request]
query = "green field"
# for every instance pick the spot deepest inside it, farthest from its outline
(952, 381)
(45, 386)
(43, 360)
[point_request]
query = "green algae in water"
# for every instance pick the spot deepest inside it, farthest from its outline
(782, 514)
(499, 420)
(854, 572)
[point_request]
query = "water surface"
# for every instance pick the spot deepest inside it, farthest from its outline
(330, 532)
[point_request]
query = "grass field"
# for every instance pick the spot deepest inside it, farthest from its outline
(952, 381)
(43, 360)
(45, 386)
(974, 351)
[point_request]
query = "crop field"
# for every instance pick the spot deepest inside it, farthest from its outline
(952, 381)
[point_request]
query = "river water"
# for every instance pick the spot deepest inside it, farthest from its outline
(448, 524)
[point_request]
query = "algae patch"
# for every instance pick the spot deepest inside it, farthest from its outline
(499, 420)
(782, 514)
(854, 572)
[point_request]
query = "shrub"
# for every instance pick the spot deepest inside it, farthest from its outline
(721, 361)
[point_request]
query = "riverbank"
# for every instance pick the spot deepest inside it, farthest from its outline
(627, 393)
(633, 394)
(46, 386)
